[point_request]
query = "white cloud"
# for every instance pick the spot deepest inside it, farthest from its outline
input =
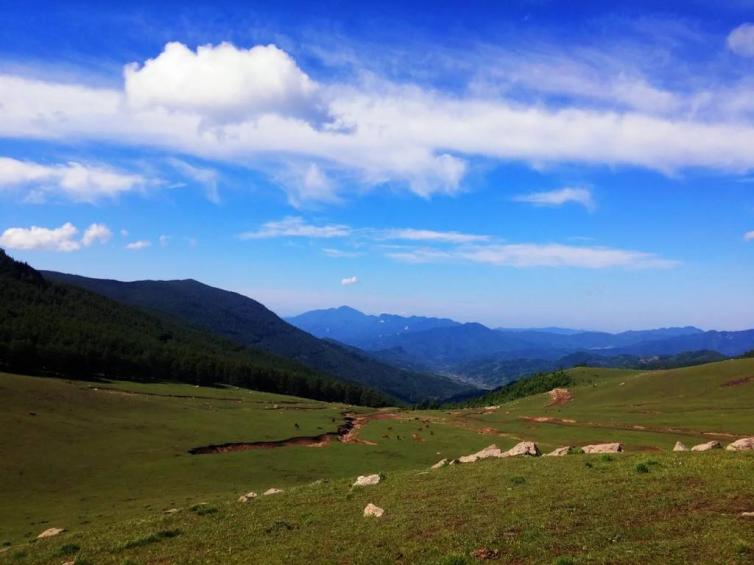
(749, 236)
(379, 134)
(340, 253)
(139, 245)
(208, 178)
(63, 238)
(96, 233)
(559, 197)
(348, 281)
(164, 240)
(538, 255)
(306, 184)
(741, 40)
(222, 82)
(294, 226)
(77, 181)
(410, 234)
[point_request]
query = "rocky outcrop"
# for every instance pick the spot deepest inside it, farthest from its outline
(707, 446)
(366, 480)
(524, 448)
(603, 448)
(559, 452)
(50, 532)
(743, 444)
(680, 446)
(489, 451)
(373, 511)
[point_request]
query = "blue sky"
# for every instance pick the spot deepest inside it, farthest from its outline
(526, 163)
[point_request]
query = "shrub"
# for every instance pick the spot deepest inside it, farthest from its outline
(564, 561)
(606, 458)
(641, 468)
(455, 559)
(68, 549)
(203, 509)
(517, 480)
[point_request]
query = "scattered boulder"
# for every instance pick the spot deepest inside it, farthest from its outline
(559, 396)
(50, 533)
(707, 446)
(559, 452)
(523, 448)
(440, 463)
(366, 480)
(603, 448)
(170, 511)
(743, 444)
(489, 451)
(270, 491)
(747, 514)
(680, 446)
(248, 496)
(372, 511)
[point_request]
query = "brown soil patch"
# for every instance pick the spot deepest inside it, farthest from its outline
(739, 382)
(560, 396)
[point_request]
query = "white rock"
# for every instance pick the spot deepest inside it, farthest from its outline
(523, 448)
(743, 444)
(440, 463)
(707, 446)
(747, 514)
(559, 452)
(489, 451)
(680, 446)
(50, 532)
(603, 448)
(366, 480)
(248, 496)
(373, 511)
(270, 491)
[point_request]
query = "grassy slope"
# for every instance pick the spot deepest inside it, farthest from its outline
(678, 404)
(684, 510)
(100, 458)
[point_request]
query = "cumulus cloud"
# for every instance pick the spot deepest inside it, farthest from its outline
(749, 236)
(96, 233)
(559, 197)
(348, 281)
(222, 82)
(62, 239)
(410, 234)
(741, 40)
(139, 245)
(294, 226)
(77, 181)
(538, 255)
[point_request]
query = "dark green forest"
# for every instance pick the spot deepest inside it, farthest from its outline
(55, 329)
(537, 384)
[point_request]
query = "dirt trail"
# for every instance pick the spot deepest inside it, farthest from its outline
(347, 432)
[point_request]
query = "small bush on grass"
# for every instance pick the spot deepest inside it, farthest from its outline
(203, 509)
(564, 561)
(151, 538)
(68, 549)
(517, 480)
(641, 468)
(455, 559)
(606, 458)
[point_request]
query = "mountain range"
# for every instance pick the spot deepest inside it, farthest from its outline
(474, 353)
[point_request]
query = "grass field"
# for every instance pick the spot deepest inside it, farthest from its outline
(105, 460)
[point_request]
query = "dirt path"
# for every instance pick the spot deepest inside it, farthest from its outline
(347, 432)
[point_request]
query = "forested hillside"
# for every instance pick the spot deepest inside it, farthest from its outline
(52, 328)
(248, 322)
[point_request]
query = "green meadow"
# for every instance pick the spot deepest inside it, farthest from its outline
(106, 460)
